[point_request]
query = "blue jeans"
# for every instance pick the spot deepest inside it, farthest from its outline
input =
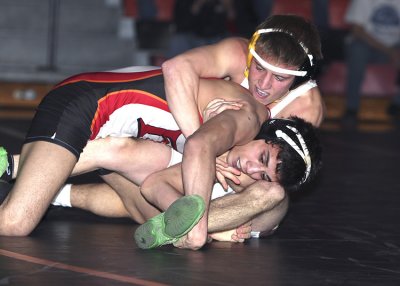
(358, 56)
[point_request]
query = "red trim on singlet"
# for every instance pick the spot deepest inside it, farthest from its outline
(108, 77)
(117, 99)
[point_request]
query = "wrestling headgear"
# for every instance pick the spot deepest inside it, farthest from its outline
(284, 129)
(303, 74)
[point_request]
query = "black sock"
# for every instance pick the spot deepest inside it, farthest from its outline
(5, 188)
(8, 173)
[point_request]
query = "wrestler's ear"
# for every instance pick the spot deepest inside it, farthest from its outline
(252, 45)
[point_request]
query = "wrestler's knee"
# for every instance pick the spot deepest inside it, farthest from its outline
(148, 185)
(14, 225)
(120, 144)
(113, 151)
(264, 193)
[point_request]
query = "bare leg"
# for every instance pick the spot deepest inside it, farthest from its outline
(43, 168)
(123, 198)
(260, 203)
(134, 159)
(267, 221)
(225, 213)
(139, 209)
(163, 188)
(115, 201)
(99, 199)
(140, 158)
(261, 199)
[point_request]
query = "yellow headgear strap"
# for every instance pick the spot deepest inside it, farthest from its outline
(252, 45)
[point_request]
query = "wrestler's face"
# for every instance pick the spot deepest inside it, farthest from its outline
(256, 159)
(268, 86)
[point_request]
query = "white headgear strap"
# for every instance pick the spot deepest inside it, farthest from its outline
(273, 68)
(302, 150)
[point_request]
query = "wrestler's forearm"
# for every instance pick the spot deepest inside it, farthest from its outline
(198, 168)
(215, 137)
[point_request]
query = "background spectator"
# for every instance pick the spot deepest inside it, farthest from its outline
(374, 37)
(199, 22)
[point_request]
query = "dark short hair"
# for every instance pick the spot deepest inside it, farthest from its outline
(292, 171)
(286, 47)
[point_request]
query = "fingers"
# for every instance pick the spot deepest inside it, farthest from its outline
(223, 172)
(225, 236)
(219, 105)
(229, 173)
(243, 232)
(222, 181)
(239, 234)
(221, 162)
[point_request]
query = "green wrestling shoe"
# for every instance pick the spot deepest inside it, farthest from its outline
(175, 222)
(3, 161)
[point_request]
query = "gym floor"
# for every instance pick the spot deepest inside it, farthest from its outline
(344, 230)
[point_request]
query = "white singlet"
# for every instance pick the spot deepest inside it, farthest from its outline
(292, 95)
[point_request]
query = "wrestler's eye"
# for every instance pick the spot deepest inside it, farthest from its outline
(279, 78)
(265, 177)
(259, 67)
(262, 159)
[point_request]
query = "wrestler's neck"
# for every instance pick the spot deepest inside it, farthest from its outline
(277, 100)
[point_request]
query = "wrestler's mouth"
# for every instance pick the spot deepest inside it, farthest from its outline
(261, 93)
(238, 165)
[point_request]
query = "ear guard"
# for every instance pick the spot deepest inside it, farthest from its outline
(252, 46)
(285, 129)
(305, 72)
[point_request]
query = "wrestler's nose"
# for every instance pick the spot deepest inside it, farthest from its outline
(265, 81)
(255, 169)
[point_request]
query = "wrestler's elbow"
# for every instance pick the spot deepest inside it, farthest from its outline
(197, 144)
(174, 66)
(168, 66)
